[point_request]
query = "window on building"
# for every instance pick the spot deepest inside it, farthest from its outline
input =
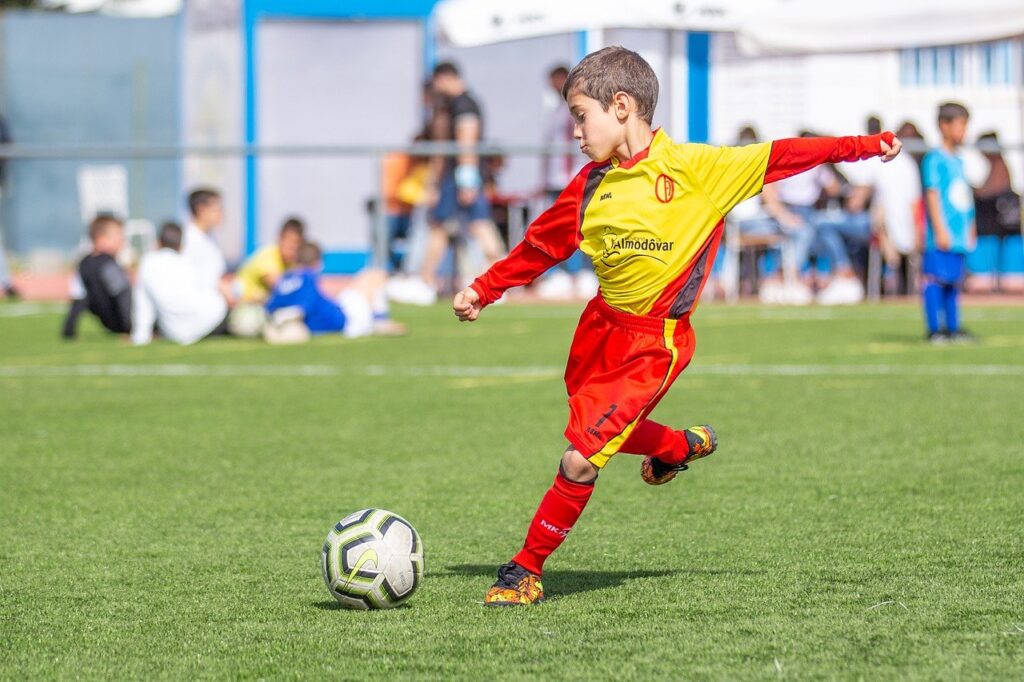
(993, 64)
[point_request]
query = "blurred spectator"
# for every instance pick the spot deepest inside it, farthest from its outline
(198, 248)
(169, 295)
(754, 223)
(951, 230)
(558, 169)
(792, 202)
(576, 275)
(895, 190)
(998, 218)
(262, 269)
(5, 138)
(883, 202)
(360, 310)
(911, 136)
(404, 185)
(6, 285)
(108, 292)
(456, 192)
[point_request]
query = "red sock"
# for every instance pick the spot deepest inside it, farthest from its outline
(557, 514)
(651, 438)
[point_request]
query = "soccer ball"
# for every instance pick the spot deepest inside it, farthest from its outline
(372, 559)
(247, 320)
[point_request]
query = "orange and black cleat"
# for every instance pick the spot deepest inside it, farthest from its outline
(702, 441)
(515, 586)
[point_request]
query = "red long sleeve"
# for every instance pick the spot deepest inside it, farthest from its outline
(550, 239)
(796, 155)
(523, 265)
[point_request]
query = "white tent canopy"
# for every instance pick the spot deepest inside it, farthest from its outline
(467, 23)
(123, 8)
(761, 26)
(869, 25)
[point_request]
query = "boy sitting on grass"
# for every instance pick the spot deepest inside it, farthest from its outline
(361, 308)
(649, 213)
(107, 289)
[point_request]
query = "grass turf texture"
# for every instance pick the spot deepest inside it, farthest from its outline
(853, 525)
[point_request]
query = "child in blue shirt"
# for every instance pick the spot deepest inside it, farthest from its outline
(361, 309)
(950, 234)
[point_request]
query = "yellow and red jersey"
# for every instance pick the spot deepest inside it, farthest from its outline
(652, 224)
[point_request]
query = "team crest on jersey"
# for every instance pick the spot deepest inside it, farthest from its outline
(664, 188)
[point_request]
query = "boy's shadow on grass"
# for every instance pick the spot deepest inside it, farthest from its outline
(568, 582)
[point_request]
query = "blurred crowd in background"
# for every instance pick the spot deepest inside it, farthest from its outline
(831, 236)
(288, 199)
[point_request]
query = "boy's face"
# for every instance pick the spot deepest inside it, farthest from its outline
(954, 131)
(289, 243)
(446, 84)
(599, 130)
(210, 214)
(110, 240)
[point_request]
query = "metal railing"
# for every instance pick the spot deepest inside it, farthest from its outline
(375, 152)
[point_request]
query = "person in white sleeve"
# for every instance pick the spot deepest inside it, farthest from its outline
(168, 296)
(198, 246)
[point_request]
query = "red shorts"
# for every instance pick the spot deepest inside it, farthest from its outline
(620, 366)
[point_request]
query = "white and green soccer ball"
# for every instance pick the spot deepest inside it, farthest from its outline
(372, 559)
(247, 320)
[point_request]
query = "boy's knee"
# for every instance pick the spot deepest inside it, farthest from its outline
(577, 468)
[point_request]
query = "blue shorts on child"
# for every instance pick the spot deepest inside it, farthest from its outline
(945, 267)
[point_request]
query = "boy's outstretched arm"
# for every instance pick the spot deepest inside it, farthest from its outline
(550, 239)
(729, 175)
(796, 155)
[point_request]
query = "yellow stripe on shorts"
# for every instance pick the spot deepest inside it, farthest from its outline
(604, 455)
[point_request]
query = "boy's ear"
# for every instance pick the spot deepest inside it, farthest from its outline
(622, 105)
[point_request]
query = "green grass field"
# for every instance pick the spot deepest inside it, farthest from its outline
(163, 508)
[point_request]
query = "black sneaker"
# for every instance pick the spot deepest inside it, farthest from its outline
(937, 338)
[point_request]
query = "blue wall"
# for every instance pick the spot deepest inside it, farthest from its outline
(86, 80)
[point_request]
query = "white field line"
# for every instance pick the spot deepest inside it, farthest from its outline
(708, 313)
(473, 371)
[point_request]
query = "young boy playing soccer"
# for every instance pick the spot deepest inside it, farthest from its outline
(951, 229)
(649, 213)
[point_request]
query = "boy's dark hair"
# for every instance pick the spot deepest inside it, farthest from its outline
(614, 69)
(294, 224)
(201, 197)
(559, 70)
(446, 69)
(170, 236)
(101, 223)
(310, 254)
(951, 111)
(874, 125)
